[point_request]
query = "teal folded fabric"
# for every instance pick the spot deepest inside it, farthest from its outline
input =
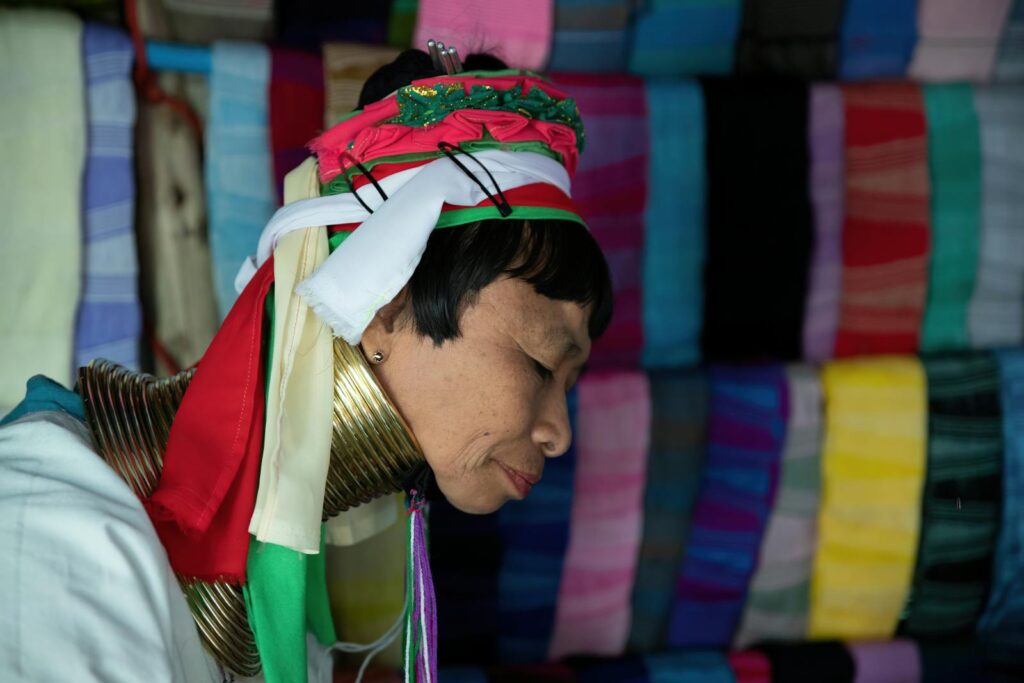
(43, 394)
(954, 167)
(684, 37)
(689, 667)
(1002, 625)
(674, 225)
(674, 464)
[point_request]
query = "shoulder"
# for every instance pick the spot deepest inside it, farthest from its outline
(90, 589)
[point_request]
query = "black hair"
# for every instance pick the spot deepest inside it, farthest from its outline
(559, 258)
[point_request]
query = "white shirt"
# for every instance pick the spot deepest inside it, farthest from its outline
(86, 590)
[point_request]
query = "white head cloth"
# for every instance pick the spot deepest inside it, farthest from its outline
(373, 264)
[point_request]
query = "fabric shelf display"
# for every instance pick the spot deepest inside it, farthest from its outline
(960, 516)
(1010, 59)
(1002, 624)
(535, 535)
(886, 223)
(779, 593)
(673, 257)
(109, 323)
(954, 167)
(679, 413)
(755, 276)
(873, 464)
(996, 313)
(610, 189)
(519, 34)
(748, 409)
(296, 109)
(825, 147)
(590, 35)
(239, 185)
(789, 37)
(592, 616)
(957, 41)
(684, 37)
(45, 49)
(877, 38)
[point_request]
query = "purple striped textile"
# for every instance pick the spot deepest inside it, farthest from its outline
(610, 189)
(825, 141)
(748, 412)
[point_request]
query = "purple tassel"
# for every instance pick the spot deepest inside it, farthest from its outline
(421, 621)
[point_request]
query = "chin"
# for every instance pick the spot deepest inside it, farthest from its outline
(474, 504)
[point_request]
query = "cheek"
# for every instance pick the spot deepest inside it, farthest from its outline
(466, 404)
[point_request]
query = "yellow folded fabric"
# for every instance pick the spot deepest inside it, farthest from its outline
(873, 468)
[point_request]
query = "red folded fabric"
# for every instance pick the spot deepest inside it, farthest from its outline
(202, 505)
(886, 236)
(750, 666)
(296, 108)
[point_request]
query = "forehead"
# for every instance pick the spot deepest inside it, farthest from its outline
(534, 316)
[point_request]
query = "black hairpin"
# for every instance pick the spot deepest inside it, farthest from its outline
(365, 172)
(503, 206)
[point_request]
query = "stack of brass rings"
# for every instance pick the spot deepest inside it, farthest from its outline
(372, 453)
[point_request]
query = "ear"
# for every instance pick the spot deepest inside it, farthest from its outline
(379, 334)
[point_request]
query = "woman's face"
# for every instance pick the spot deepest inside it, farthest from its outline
(490, 406)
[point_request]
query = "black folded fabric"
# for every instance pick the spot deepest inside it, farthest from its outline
(758, 219)
(820, 662)
(790, 38)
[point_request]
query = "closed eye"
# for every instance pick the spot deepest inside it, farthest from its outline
(544, 371)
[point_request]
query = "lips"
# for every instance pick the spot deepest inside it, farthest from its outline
(521, 481)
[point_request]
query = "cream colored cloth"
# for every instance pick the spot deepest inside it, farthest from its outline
(873, 466)
(346, 68)
(42, 135)
(297, 439)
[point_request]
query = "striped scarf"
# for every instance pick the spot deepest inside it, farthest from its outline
(954, 167)
(756, 273)
(610, 189)
(996, 315)
(684, 37)
(689, 667)
(673, 258)
(872, 470)
(679, 410)
(748, 408)
(109, 315)
(825, 142)
(779, 590)
(960, 517)
(592, 616)
(534, 537)
(957, 41)
(885, 229)
(1002, 623)
(790, 37)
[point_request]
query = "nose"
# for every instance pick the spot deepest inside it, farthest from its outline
(552, 431)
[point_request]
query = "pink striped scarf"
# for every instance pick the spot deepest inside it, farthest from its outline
(518, 32)
(593, 612)
(610, 188)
